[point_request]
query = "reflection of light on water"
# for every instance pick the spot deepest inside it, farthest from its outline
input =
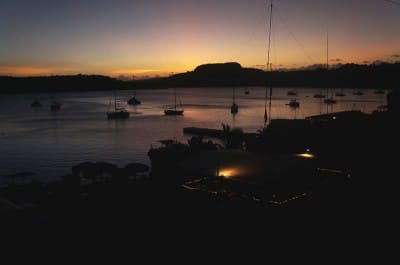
(228, 172)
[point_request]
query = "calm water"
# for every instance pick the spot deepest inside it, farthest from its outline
(49, 143)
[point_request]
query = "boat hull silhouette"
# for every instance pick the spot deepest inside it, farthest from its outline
(121, 114)
(55, 105)
(173, 112)
(234, 108)
(134, 101)
(330, 101)
(294, 104)
(36, 104)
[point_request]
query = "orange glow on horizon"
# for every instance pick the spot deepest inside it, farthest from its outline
(24, 70)
(33, 70)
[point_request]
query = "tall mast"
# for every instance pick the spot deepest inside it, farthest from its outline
(175, 98)
(327, 61)
(268, 70)
(327, 50)
(115, 100)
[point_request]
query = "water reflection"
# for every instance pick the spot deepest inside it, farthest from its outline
(49, 144)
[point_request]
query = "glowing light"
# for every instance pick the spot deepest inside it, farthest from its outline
(228, 172)
(306, 155)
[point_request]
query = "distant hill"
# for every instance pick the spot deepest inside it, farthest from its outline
(221, 74)
(58, 83)
(384, 75)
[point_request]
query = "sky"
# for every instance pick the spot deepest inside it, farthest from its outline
(147, 38)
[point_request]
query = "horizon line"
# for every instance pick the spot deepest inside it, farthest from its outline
(130, 77)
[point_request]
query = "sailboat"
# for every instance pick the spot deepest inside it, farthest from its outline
(36, 103)
(234, 106)
(173, 110)
(118, 113)
(133, 100)
(330, 100)
(293, 103)
(55, 105)
(266, 118)
(319, 95)
(340, 94)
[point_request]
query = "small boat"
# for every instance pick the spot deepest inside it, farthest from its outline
(234, 106)
(330, 101)
(133, 100)
(291, 93)
(318, 95)
(379, 92)
(36, 104)
(294, 103)
(246, 91)
(173, 110)
(55, 105)
(339, 94)
(358, 93)
(118, 113)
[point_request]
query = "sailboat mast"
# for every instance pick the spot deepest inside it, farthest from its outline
(115, 100)
(269, 34)
(327, 50)
(327, 61)
(175, 98)
(268, 70)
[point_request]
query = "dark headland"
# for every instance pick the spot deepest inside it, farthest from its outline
(380, 76)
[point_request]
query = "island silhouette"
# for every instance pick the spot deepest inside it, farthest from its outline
(379, 75)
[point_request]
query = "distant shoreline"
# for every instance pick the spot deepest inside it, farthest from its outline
(379, 76)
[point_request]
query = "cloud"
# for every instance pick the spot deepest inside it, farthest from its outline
(395, 56)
